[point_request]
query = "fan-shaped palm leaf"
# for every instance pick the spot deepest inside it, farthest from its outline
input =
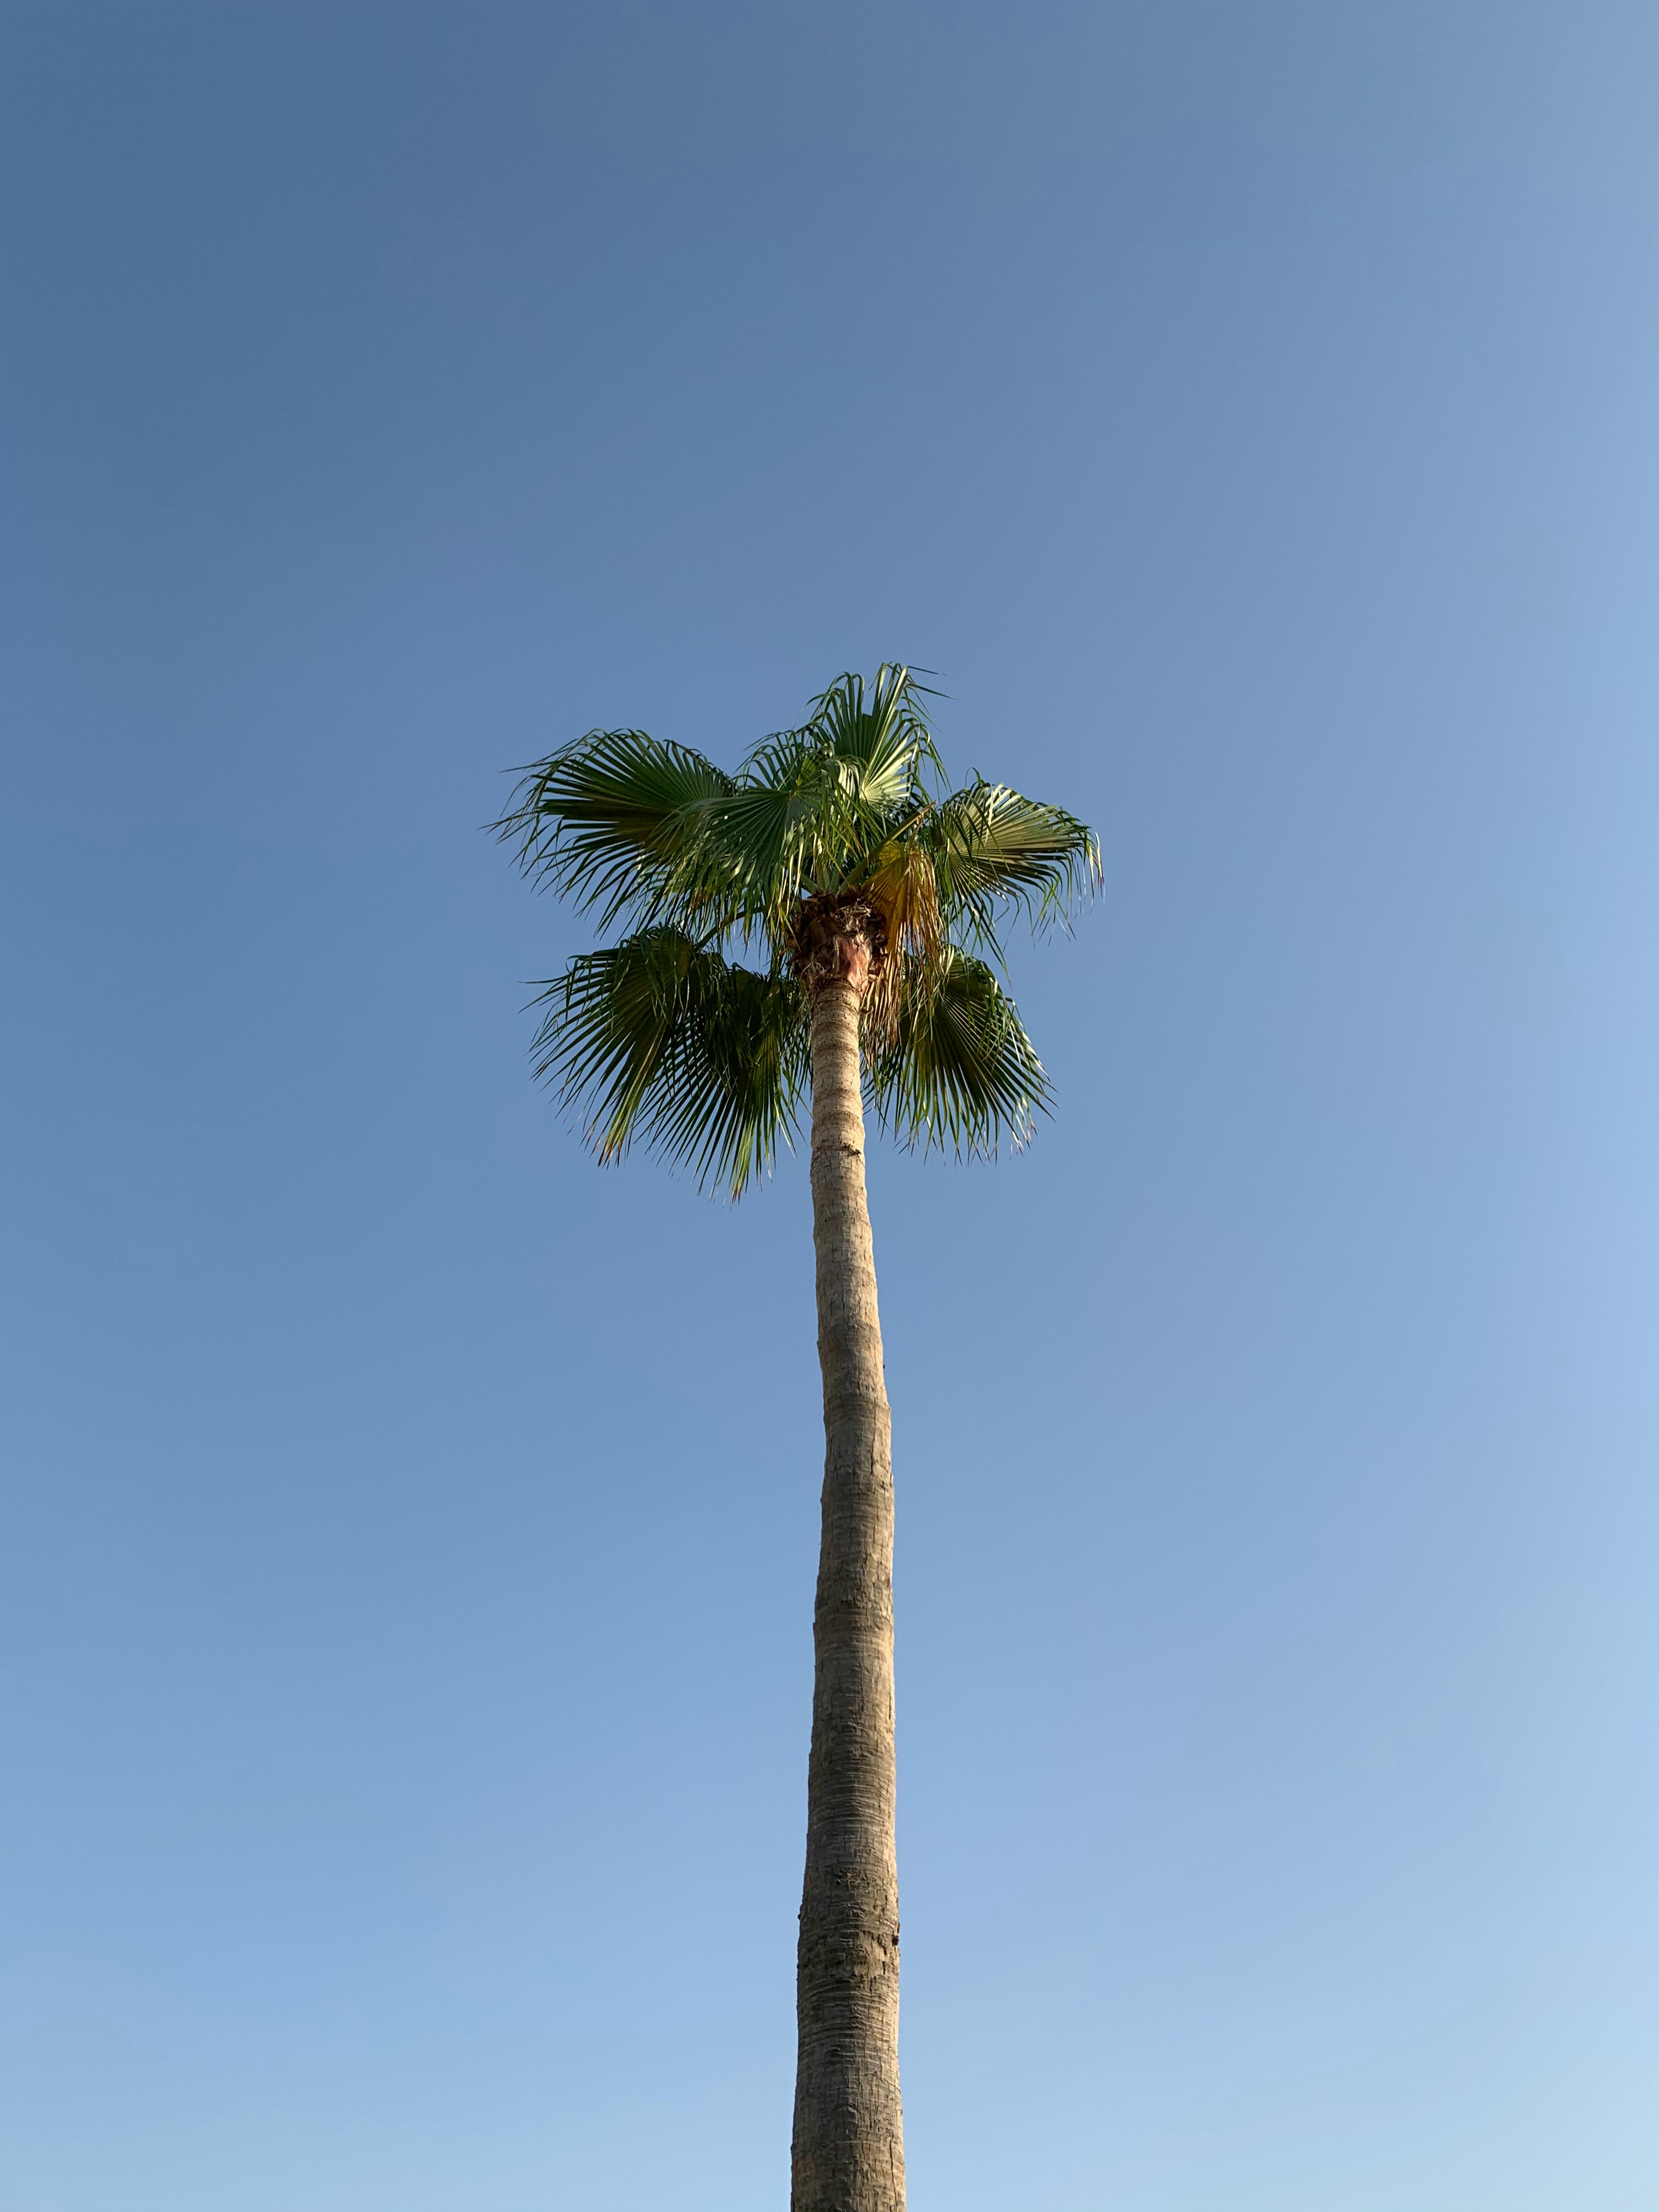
(879, 738)
(992, 849)
(615, 820)
(660, 1038)
(956, 1068)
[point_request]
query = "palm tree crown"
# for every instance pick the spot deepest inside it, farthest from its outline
(833, 847)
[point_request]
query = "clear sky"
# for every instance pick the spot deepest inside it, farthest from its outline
(1250, 413)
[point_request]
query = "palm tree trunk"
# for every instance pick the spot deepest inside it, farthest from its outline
(848, 2153)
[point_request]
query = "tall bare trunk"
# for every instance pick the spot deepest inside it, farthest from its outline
(848, 2153)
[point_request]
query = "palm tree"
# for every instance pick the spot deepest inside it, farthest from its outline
(868, 903)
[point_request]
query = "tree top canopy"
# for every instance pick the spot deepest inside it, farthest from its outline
(844, 820)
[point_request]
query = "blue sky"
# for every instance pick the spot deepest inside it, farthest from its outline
(1250, 413)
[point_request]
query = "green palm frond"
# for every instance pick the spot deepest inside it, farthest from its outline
(616, 820)
(992, 850)
(815, 805)
(956, 1068)
(879, 738)
(661, 1038)
(776, 833)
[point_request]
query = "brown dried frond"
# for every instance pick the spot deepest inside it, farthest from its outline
(904, 890)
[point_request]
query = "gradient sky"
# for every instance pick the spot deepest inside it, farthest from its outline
(1250, 413)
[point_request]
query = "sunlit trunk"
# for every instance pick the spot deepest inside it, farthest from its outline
(848, 2153)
